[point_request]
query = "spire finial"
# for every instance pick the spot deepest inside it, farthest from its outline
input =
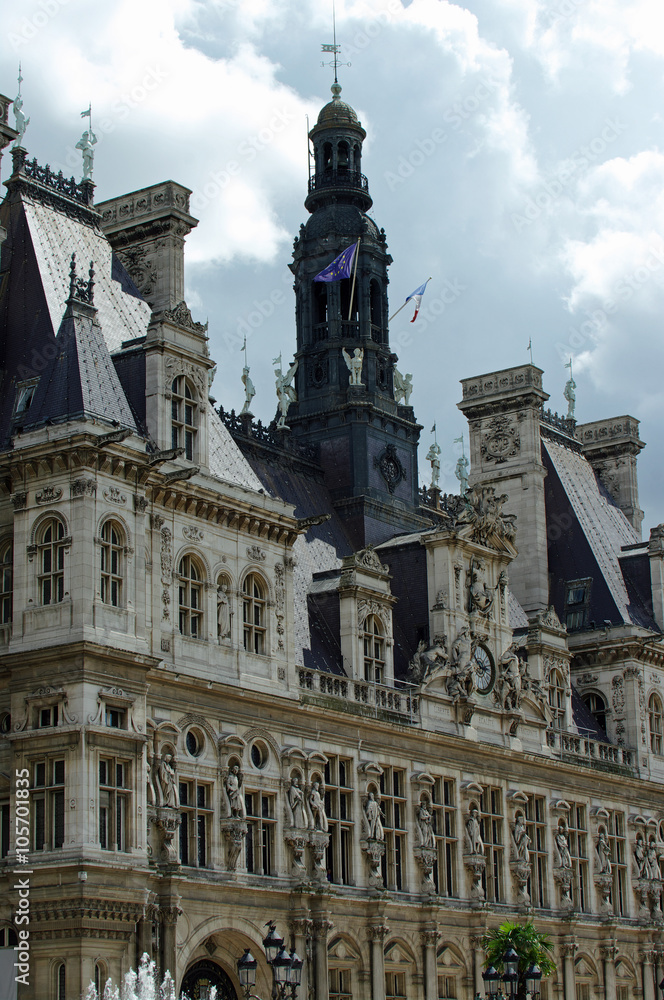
(79, 288)
(335, 49)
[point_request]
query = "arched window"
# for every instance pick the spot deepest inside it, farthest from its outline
(6, 581)
(60, 982)
(112, 553)
(184, 415)
(190, 598)
(253, 613)
(655, 720)
(597, 707)
(376, 301)
(557, 696)
(343, 157)
(374, 650)
(327, 156)
(100, 978)
(51, 561)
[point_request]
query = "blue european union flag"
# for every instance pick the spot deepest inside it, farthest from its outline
(340, 267)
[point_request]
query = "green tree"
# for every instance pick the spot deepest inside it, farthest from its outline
(532, 947)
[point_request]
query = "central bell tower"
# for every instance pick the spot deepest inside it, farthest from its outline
(367, 442)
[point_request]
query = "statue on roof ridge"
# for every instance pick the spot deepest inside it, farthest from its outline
(21, 121)
(569, 393)
(85, 144)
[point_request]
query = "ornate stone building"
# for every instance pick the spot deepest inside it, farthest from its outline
(253, 673)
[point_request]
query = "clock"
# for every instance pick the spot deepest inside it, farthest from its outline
(483, 669)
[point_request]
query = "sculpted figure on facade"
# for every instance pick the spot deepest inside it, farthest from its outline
(286, 393)
(373, 818)
(473, 843)
(563, 856)
(481, 597)
(433, 456)
(354, 365)
(403, 387)
(510, 680)
(652, 862)
(427, 661)
(483, 511)
(640, 856)
(234, 793)
(298, 814)
(603, 853)
(461, 682)
(167, 781)
(223, 612)
(520, 839)
(317, 807)
(425, 824)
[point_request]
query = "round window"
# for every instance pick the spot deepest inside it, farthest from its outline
(259, 755)
(194, 742)
(5, 722)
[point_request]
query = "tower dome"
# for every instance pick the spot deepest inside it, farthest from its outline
(337, 112)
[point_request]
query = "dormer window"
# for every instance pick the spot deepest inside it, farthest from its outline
(577, 601)
(374, 650)
(48, 717)
(184, 416)
(115, 718)
(24, 394)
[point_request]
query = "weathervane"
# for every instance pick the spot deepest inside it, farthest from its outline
(334, 48)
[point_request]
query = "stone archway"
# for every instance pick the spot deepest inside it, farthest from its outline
(202, 976)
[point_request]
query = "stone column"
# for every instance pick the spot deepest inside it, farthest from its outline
(321, 928)
(609, 953)
(301, 928)
(429, 940)
(648, 960)
(377, 933)
(659, 967)
(477, 945)
(169, 920)
(569, 946)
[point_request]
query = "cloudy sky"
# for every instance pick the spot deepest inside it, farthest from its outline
(513, 155)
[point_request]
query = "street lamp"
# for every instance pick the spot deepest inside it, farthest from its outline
(511, 973)
(286, 967)
(491, 978)
(532, 977)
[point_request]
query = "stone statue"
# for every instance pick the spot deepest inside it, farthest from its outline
(354, 365)
(152, 797)
(296, 804)
(652, 863)
(603, 852)
(428, 660)
(473, 837)
(481, 598)
(562, 846)
(569, 393)
(373, 817)
(21, 121)
(167, 781)
(433, 456)
(85, 144)
(403, 386)
(249, 391)
(317, 807)
(234, 794)
(223, 612)
(461, 472)
(286, 393)
(520, 839)
(640, 858)
(509, 681)
(461, 682)
(425, 825)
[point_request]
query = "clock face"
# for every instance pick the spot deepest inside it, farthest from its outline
(483, 669)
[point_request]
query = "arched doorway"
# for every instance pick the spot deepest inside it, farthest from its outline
(201, 977)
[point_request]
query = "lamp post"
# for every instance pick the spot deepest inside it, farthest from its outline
(286, 967)
(509, 980)
(511, 973)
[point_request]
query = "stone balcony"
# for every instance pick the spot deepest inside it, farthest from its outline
(584, 750)
(398, 702)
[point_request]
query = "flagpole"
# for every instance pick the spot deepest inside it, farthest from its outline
(405, 303)
(352, 287)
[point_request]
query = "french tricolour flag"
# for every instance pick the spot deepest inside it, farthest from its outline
(416, 296)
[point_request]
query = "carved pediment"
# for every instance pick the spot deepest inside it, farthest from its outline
(343, 951)
(397, 955)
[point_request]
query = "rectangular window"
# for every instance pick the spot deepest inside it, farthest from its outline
(578, 849)
(195, 823)
(395, 985)
(618, 854)
(114, 799)
(492, 835)
(340, 988)
(48, 804)
(536, 827)
(47, 717)
(115, 718)
(583, 991)
(4, 829)
(447, 988)
(393, 805)
(444, 826)
(577, 603)
(338, 807)
(261, 822)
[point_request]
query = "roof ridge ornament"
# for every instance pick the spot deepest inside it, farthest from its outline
(21, 121)
(80, 289)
